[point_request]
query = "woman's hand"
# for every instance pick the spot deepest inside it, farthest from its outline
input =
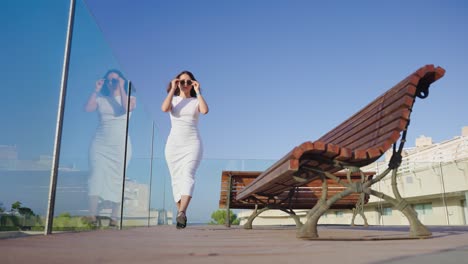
(174, 84)
(99, 84)
(91, 105)
(196, 86)
(121, 82)
(167, 103)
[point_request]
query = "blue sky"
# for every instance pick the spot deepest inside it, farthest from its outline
(274, 73)
(277, 73)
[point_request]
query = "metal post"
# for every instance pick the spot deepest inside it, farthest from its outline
(228, 202)
(151, 175)
(164, 200)
(125, 154)
(466, 208)
(443, 194)
(59, 125)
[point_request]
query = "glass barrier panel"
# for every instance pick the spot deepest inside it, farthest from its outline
(206, 195)
(31, 49)
(91, 168)
(437, 191)
(136, 211)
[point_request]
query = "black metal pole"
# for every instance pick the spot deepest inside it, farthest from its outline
(151, 175)
(125, 155)
(227, 222)
(58, 128)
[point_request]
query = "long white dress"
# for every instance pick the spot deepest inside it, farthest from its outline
(106, 152)
(184, 149)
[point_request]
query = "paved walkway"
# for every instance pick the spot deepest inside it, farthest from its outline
(217, 244)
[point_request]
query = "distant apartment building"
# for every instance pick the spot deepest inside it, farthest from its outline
(28, 181)
(8, 152)
(10, 161)
(433, 178)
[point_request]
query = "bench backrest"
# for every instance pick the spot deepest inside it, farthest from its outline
(305, 197)
(369, 133)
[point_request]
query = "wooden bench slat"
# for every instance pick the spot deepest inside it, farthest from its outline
(370, 125)
(380, 132)
(281, 171)
(341, 137)
(359, 140)
(281, 187)
(370, 110)
(408, 83)
(305, 198)
(278, 187)
(386, 131)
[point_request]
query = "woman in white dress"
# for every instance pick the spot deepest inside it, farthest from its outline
(184, 148)
(106, 152)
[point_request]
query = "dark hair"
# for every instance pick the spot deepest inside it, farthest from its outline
(177, 91)
(105, 90)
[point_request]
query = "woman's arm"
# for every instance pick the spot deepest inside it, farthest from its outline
(124, 97)
(202, 105)
(167, 103)
(91, 105)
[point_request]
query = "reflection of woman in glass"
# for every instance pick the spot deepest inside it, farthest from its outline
(184, 148)
(106, 153)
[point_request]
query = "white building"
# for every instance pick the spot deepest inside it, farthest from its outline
(433, 178)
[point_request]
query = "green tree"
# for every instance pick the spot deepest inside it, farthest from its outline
(23, 217)
(15, 206)
(218, 217)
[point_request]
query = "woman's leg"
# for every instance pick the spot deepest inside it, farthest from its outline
(114, 214)
(93, 206)
(91, 218)
(182, 206)
(184, 203)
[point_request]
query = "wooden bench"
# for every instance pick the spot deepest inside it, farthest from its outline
(303, 197)
(357, 142)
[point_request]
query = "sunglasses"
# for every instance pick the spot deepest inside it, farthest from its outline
(184, 82)
(111, 82)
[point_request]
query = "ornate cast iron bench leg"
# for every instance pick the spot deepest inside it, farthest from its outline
(294, 216)
(417, 229)
(359, 209)
(297, 220)
(309, 229)
(255, 213)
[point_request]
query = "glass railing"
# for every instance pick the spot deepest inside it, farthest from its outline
(107, 139)
(31, 49)
(436, 190)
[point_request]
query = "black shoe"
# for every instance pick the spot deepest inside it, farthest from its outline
(181, 220)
